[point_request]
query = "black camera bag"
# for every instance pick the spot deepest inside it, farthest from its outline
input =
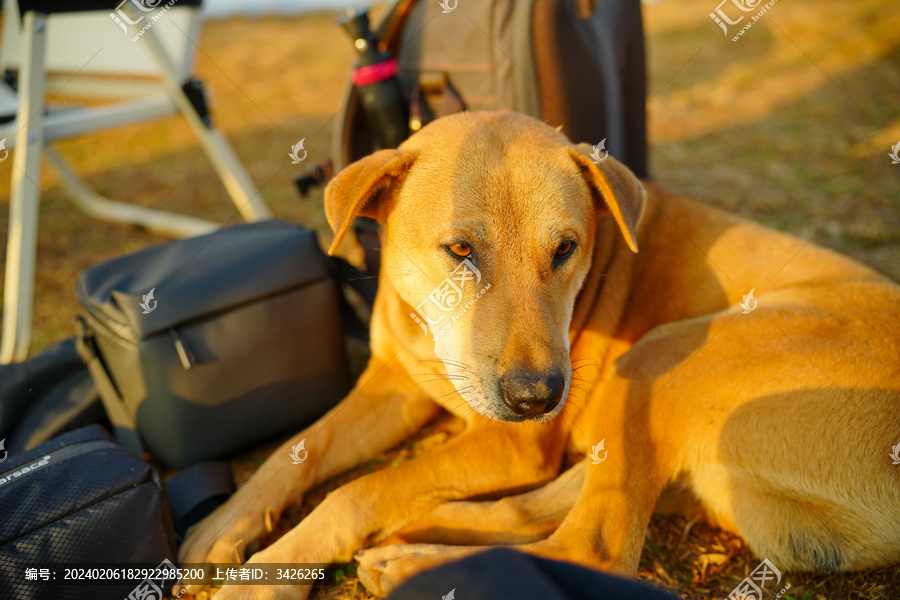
(241, 340)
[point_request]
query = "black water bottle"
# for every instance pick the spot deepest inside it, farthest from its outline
(375, 78)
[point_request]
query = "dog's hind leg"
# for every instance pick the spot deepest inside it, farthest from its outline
(518, 519)
(793, 534)
(810, 533)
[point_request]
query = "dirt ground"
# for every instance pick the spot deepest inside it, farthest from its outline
(790, 126)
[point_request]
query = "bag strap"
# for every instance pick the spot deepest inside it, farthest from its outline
(392, 26)
(364, 285)
(196, 491)
(123, 423)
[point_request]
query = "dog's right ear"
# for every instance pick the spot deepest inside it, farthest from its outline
(360, 189)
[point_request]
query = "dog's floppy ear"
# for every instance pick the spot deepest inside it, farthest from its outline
(358, 189)
(615, 189)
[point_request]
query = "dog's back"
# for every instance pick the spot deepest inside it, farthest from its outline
(787, 404)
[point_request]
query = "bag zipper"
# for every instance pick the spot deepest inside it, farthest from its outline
(55, 456)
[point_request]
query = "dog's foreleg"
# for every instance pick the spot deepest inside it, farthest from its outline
(623, 480)
(384, 408)
(603, 530)
(519, 519)
(484, 459)
(469, 527)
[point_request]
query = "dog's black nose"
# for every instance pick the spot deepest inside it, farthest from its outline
(531, 394)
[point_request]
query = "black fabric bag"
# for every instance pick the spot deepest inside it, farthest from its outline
(505, 574)
(204, 347)
(51, 383)
(45, 396)
(79, 498)
(53, 393)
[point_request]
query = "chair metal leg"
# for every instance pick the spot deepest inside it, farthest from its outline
(158, 221)
(24, 201)
(231, 171)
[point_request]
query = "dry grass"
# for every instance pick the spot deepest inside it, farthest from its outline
(789, 126)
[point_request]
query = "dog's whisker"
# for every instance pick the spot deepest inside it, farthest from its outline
(462, 389)
(586, 361)
(582, 357)
(463, 405)
(430, 381)
(572, 401)
(459, 391)
(569, 408)
(397, 270)
(458, 366)
(441, 376)
(582, 364)
(452, 363)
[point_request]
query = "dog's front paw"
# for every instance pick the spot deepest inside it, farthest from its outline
(221, 537)
(383, 569)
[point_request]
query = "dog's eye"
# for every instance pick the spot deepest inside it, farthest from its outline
(565, 249)
(462, 250)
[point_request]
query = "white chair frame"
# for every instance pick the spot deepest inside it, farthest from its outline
(32, 130)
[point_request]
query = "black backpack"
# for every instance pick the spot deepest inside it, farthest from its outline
(575, 64)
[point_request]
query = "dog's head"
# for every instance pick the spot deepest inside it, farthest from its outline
(489, 222)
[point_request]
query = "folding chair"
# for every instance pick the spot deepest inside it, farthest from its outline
(96, 49)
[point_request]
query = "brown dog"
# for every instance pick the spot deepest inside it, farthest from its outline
(548, 332)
